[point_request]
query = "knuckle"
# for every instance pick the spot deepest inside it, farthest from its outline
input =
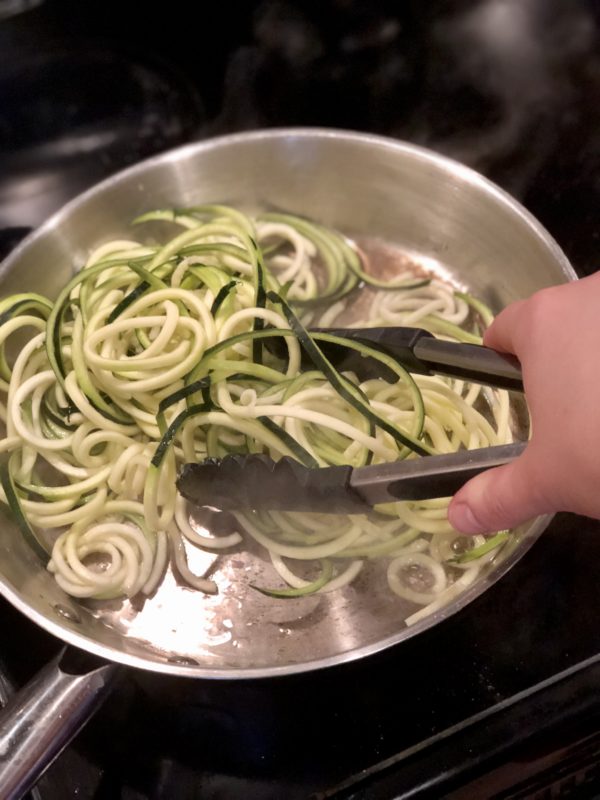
(541, 307)
(538, 314)
(497, 506)
(490, 502)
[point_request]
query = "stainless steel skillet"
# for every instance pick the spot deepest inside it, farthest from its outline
(444, 215)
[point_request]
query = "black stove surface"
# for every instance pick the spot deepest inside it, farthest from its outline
(501, 700)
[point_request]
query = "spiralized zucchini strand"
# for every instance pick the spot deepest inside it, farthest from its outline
(152, 356)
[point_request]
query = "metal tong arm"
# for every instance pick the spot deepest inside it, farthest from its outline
(421, 352)
(429, 476)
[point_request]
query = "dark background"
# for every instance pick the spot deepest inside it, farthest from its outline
(510, 87)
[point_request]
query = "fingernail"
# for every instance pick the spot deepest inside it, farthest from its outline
(462, 518)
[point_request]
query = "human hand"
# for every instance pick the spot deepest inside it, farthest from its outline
(556, 336)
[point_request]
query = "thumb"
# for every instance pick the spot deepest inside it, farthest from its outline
(497, 499)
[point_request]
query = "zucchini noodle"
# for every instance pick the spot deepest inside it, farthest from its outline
(154, 355)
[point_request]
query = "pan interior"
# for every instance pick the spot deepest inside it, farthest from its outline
(468, 234)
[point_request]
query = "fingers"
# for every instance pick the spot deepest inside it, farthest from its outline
(497, 499)
(512, 328)
(503, 332)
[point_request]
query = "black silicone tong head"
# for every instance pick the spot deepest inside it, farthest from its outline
(416, 350)
(256, 482)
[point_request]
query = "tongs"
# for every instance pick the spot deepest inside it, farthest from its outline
(256, 482)
(417, 351)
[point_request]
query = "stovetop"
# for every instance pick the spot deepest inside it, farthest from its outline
(503, 694)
